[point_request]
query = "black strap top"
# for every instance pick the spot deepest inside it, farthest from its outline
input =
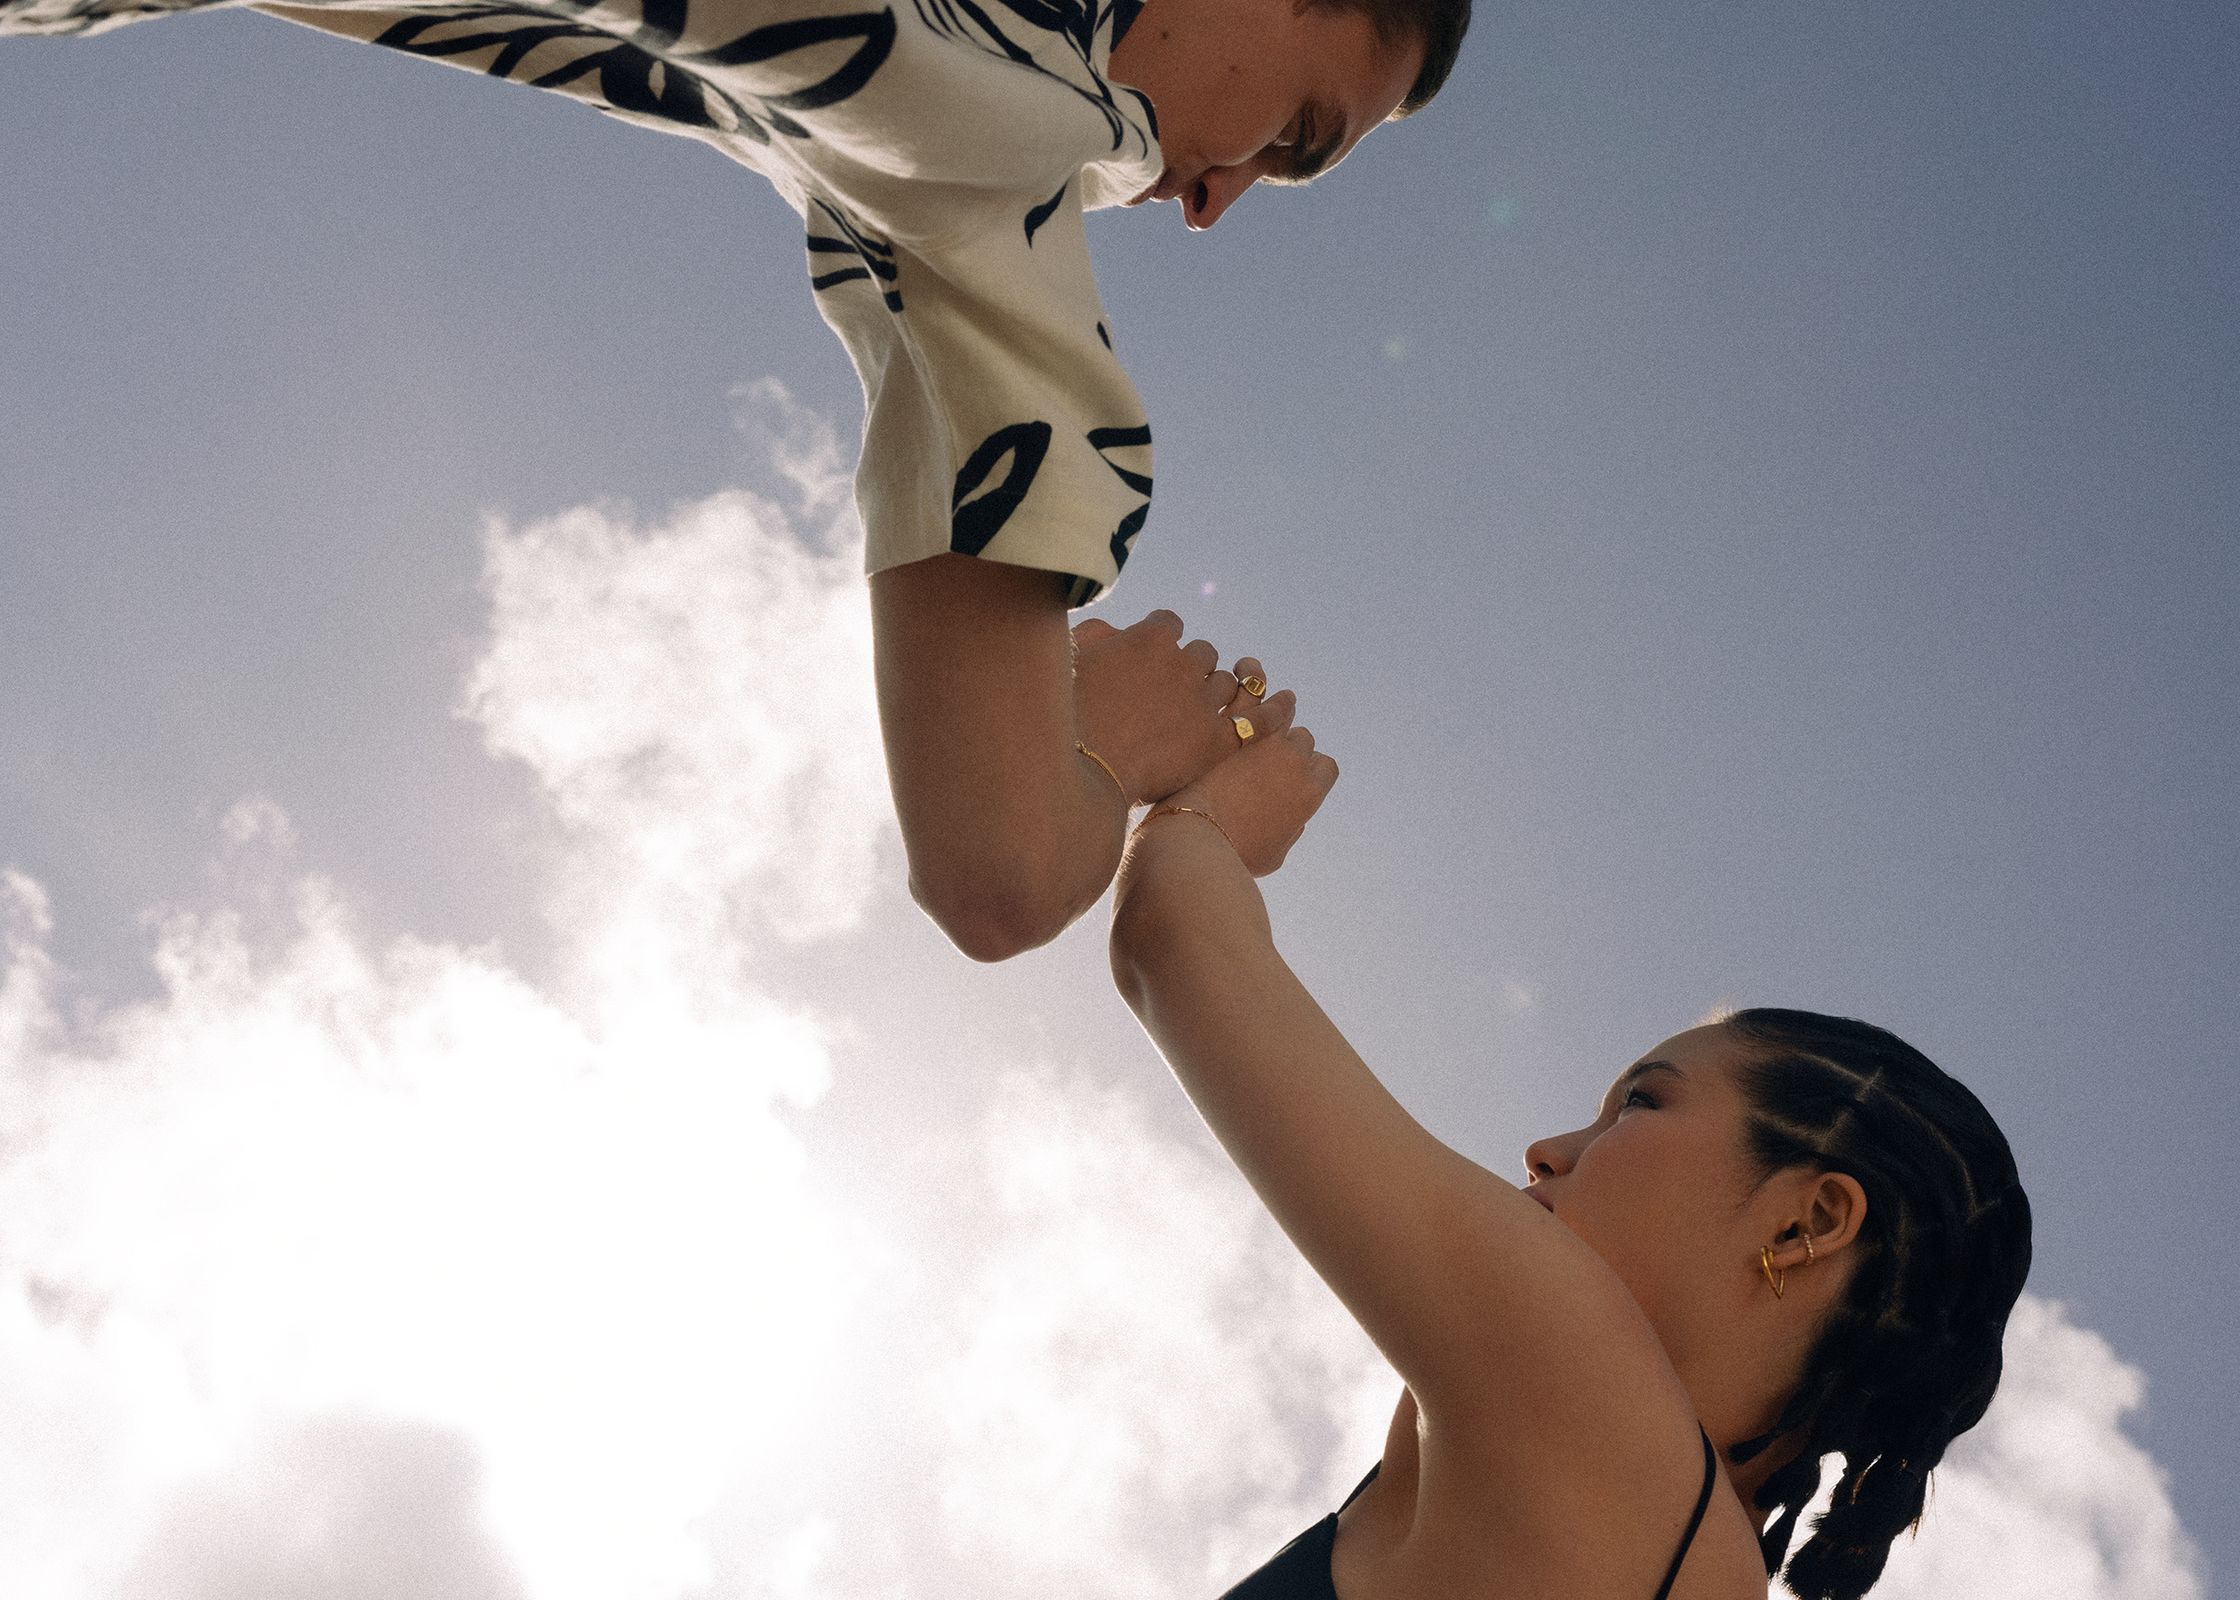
(1301, 1569)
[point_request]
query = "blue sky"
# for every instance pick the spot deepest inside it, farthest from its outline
(1749, 496)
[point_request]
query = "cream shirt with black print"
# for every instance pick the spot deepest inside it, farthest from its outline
(941, 154)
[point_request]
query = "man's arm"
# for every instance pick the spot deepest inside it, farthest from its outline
(1010, 831)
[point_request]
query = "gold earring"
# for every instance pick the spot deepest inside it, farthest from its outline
(1808, 1250)
(1779, 1280)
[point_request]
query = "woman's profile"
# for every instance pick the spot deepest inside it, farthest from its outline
(1782, 1236)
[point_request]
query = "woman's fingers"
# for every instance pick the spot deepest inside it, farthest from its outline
(1091, 630)
(1221, 689)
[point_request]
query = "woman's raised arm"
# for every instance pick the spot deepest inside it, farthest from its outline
(1511, 1333)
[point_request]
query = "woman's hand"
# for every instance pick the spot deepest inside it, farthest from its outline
(1263, 795)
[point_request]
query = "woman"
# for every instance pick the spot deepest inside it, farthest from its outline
(1782, 1236)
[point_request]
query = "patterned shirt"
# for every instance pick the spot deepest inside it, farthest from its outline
(941, 154)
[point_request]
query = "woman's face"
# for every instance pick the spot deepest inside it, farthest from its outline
(1253, 90)
(1659, 1184)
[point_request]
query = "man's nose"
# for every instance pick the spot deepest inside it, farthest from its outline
(1214, 194)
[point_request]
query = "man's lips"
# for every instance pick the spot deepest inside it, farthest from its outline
(1169, 185)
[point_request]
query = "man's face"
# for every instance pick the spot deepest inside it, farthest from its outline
(1256, 90)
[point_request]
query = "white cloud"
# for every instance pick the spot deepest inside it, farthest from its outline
(2048, 1498)
(294, 1524)
(337, 1239)
(695, 698)
(332, 1230)
(315, 1179)
(1142, 1352)
(320, 1182)
(321, 1192)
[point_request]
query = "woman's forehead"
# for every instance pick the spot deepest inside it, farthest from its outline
(1705, 1054)
(1711, 1043)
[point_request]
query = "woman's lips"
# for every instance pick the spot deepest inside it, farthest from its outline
(1537, 1198)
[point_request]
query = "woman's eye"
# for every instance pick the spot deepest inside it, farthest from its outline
(1640, 1097)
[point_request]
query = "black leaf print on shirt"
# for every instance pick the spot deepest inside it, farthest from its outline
(1069, 20)
(1104, 441)
(1073, 20)
(55, 19)
(644, 71)
(874, 28)
(1124, 537)
(868, 257)
(972, 525)
(1045, 211)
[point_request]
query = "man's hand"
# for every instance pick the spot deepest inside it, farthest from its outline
(1010, 834)
(1158, 710)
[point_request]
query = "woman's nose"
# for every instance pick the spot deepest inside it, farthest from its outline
(1215, 193)
(1546, 1158)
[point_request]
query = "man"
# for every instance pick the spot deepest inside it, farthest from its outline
(941, 154)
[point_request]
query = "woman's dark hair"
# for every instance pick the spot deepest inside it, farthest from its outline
(1438, 24)
(1910, 1358)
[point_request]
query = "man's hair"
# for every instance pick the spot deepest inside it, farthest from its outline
(1438, 25)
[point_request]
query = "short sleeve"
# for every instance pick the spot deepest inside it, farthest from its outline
(998, 421)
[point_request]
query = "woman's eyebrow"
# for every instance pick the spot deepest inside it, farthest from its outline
(1635, 1073)
(1641, 1069)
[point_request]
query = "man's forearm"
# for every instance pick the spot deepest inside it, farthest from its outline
(1011, 833)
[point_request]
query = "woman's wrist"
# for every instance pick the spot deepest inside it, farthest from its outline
(1176, 855)
(1184, 893)
(1169, 808)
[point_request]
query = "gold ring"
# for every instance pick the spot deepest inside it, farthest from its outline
(1253, 685)
(1245, 729)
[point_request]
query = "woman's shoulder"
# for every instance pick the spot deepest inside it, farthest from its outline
(1606, 1516)
(1575, 1533)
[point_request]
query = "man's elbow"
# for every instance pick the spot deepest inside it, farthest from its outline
(990, 920)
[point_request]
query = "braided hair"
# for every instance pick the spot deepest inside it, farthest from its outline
(1910, 1358)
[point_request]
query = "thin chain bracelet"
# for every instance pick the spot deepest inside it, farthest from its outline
(1191, 811)
(1125, 798)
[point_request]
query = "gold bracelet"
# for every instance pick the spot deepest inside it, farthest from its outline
(1191, 811)
(1126, 799)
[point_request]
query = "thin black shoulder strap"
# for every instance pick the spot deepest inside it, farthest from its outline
(1710, 1472)
(1363, 1484)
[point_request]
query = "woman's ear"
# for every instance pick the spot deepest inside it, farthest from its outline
(1835, 1210)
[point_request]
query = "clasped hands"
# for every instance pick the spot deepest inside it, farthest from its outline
(1162, 715)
